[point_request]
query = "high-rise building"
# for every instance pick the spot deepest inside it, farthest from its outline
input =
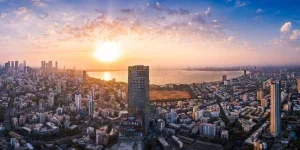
(78, 101)
(91, 105)
(43, 66)
(12, 64)
(260, 95)
(84, 76)
(224, 78)
(51, 99)
(56, 65)
(263, 102)
(298, 85)
(161, 125)
(24, 66)
(138, 93)
(245, 73)
(50, 66)
(208, 129)
(16, 65)
(59, 111)
(259, 145)
(41, 105)
(7, 67)
(275, 109)
(224, 134)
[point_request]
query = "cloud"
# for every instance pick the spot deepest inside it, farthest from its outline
(39, 3)
(215, 23)
(20, 11)
(259, 11)
(26, 17)
(56, 24)
(3, 15)
(25, 37)
(175, 25)
(5, 38)
(2, 1)
(44, 16)
(157, 6)
(295, 35)
(198, 19)
(258, 17)
(181, 11)
(127, 11)
(286, 27)
(49, 32)
(241, 3)
(208, 11)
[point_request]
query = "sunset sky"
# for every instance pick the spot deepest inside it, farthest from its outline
(168, 33)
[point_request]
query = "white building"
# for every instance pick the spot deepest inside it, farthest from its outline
(78, 101)
(51, 99)
(161, 124)
(208, 129)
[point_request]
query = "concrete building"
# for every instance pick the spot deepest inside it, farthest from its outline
(298, 85)
(260, 95)
(263, 102)
(224, 78)
(275, 109)
(138, 93)
(78, 101)
(259, 145)
(161, 124)
(208, 129)
(41, 105)
(51, 99)
(91, 106)
(224, 134)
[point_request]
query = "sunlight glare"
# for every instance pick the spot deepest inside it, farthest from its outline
(108, 52)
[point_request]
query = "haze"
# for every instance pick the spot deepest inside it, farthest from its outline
(168, 33)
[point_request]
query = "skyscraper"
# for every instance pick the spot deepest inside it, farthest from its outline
(224, 78)
(56, 65)
(51, 99)
(16, 65)
(260, 95)
(50, 66)
(78, 101)
(91, 105)
(275, 109)
(138, 93)
(245, 73)
(12, 65)
(298, 83)
(84, 76)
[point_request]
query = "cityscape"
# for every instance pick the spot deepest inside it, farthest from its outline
(149, 75)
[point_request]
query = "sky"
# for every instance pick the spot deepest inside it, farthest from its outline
(165, 33)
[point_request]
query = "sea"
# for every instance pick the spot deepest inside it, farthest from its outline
(161, 77)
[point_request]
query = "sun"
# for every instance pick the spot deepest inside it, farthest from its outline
(108, 52)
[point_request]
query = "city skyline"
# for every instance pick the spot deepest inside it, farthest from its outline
(165, 33)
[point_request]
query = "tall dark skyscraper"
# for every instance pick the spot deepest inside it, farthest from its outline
(224, 78)
(56, 65)
(245, 73)
(138, 93)
(84, 76)
(16, 65)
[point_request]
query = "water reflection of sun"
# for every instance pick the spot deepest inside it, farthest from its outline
(106, 76)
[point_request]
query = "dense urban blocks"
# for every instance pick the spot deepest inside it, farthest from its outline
(166, 95)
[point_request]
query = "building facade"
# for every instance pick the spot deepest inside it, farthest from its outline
(138, 93)
(275, 109)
